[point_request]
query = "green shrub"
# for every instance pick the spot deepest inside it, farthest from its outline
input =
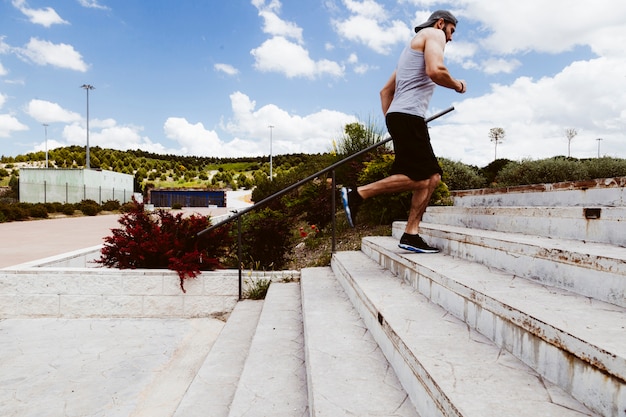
(605, 167)
(14, 212)
(313, 203)
(542, 171)
(177, 206)
(38, 211)
(266, 238)
(68, 209)
(89, 207)
(127, 207)
(111, 205)
(459, 176)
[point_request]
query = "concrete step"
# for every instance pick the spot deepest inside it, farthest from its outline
(348, 374)
(213, 388)
(273, 381)
(590, 224)
(577, 343)
(447, 368)
(591, 269)
(602, 192)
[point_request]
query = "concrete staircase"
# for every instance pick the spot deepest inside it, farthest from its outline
(522, 314)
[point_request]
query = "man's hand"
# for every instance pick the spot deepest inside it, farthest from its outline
(462, 88)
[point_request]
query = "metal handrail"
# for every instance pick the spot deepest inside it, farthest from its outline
(238, 214)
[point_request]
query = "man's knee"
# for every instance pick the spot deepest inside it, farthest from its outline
(434, 181)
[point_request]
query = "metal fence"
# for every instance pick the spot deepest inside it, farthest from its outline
(65, 193)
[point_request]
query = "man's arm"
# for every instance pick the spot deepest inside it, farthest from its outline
(434, 45)
(386, 94)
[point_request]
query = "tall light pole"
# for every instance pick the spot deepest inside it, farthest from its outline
(45, 126)
(87, 87)
(271, 174)
(599, 139)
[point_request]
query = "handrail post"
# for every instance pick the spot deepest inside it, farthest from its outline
(334, 211)
(239, 256)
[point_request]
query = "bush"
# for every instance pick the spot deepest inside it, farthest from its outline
(38, 211)
(459, 176)
(111, 205)
(161, 240)
(605, 167)
(68, 209)
(313, 203)
(266, 239)
(14, 212)
(550, 170)
(89, 207)
(127, 207)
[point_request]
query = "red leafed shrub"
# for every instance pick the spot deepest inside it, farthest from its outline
(161, 240)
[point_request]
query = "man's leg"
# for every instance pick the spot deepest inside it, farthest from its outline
(419, 203)
(411, 240)
(397, 183)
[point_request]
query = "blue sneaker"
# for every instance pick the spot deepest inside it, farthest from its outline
(350, 204)
(415, 243)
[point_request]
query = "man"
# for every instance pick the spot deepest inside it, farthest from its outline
(404, 100)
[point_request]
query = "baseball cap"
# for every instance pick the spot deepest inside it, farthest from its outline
(439, 14)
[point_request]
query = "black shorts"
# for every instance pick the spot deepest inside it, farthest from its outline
(414, 155)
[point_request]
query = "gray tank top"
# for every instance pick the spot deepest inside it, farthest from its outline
(413, 87)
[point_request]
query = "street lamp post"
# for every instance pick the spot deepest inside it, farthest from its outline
(45, 126)
(599, 139)
(87, 87)
(271, 174)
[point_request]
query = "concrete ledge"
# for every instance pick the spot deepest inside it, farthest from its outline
(82, 258)
(30, 290)
(599, 192)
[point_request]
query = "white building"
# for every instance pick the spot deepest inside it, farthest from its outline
(50, 185)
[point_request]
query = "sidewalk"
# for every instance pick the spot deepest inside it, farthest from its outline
(104, 367)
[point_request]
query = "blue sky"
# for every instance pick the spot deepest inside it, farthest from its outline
(208, 78)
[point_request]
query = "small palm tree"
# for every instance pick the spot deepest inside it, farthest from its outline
(496, 134)
(570, 133)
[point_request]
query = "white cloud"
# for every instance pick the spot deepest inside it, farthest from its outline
(495, 66)
(564, 24)
(108, 134)
(312, 133)
(194, 139)
(45, 17)
(369, 26)
(226, 69)
(276, 26)
(3, 71)
(9, 124)
(535, 113)
(47, 112)
(47, 53)
(280, 55)
(92, 4)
